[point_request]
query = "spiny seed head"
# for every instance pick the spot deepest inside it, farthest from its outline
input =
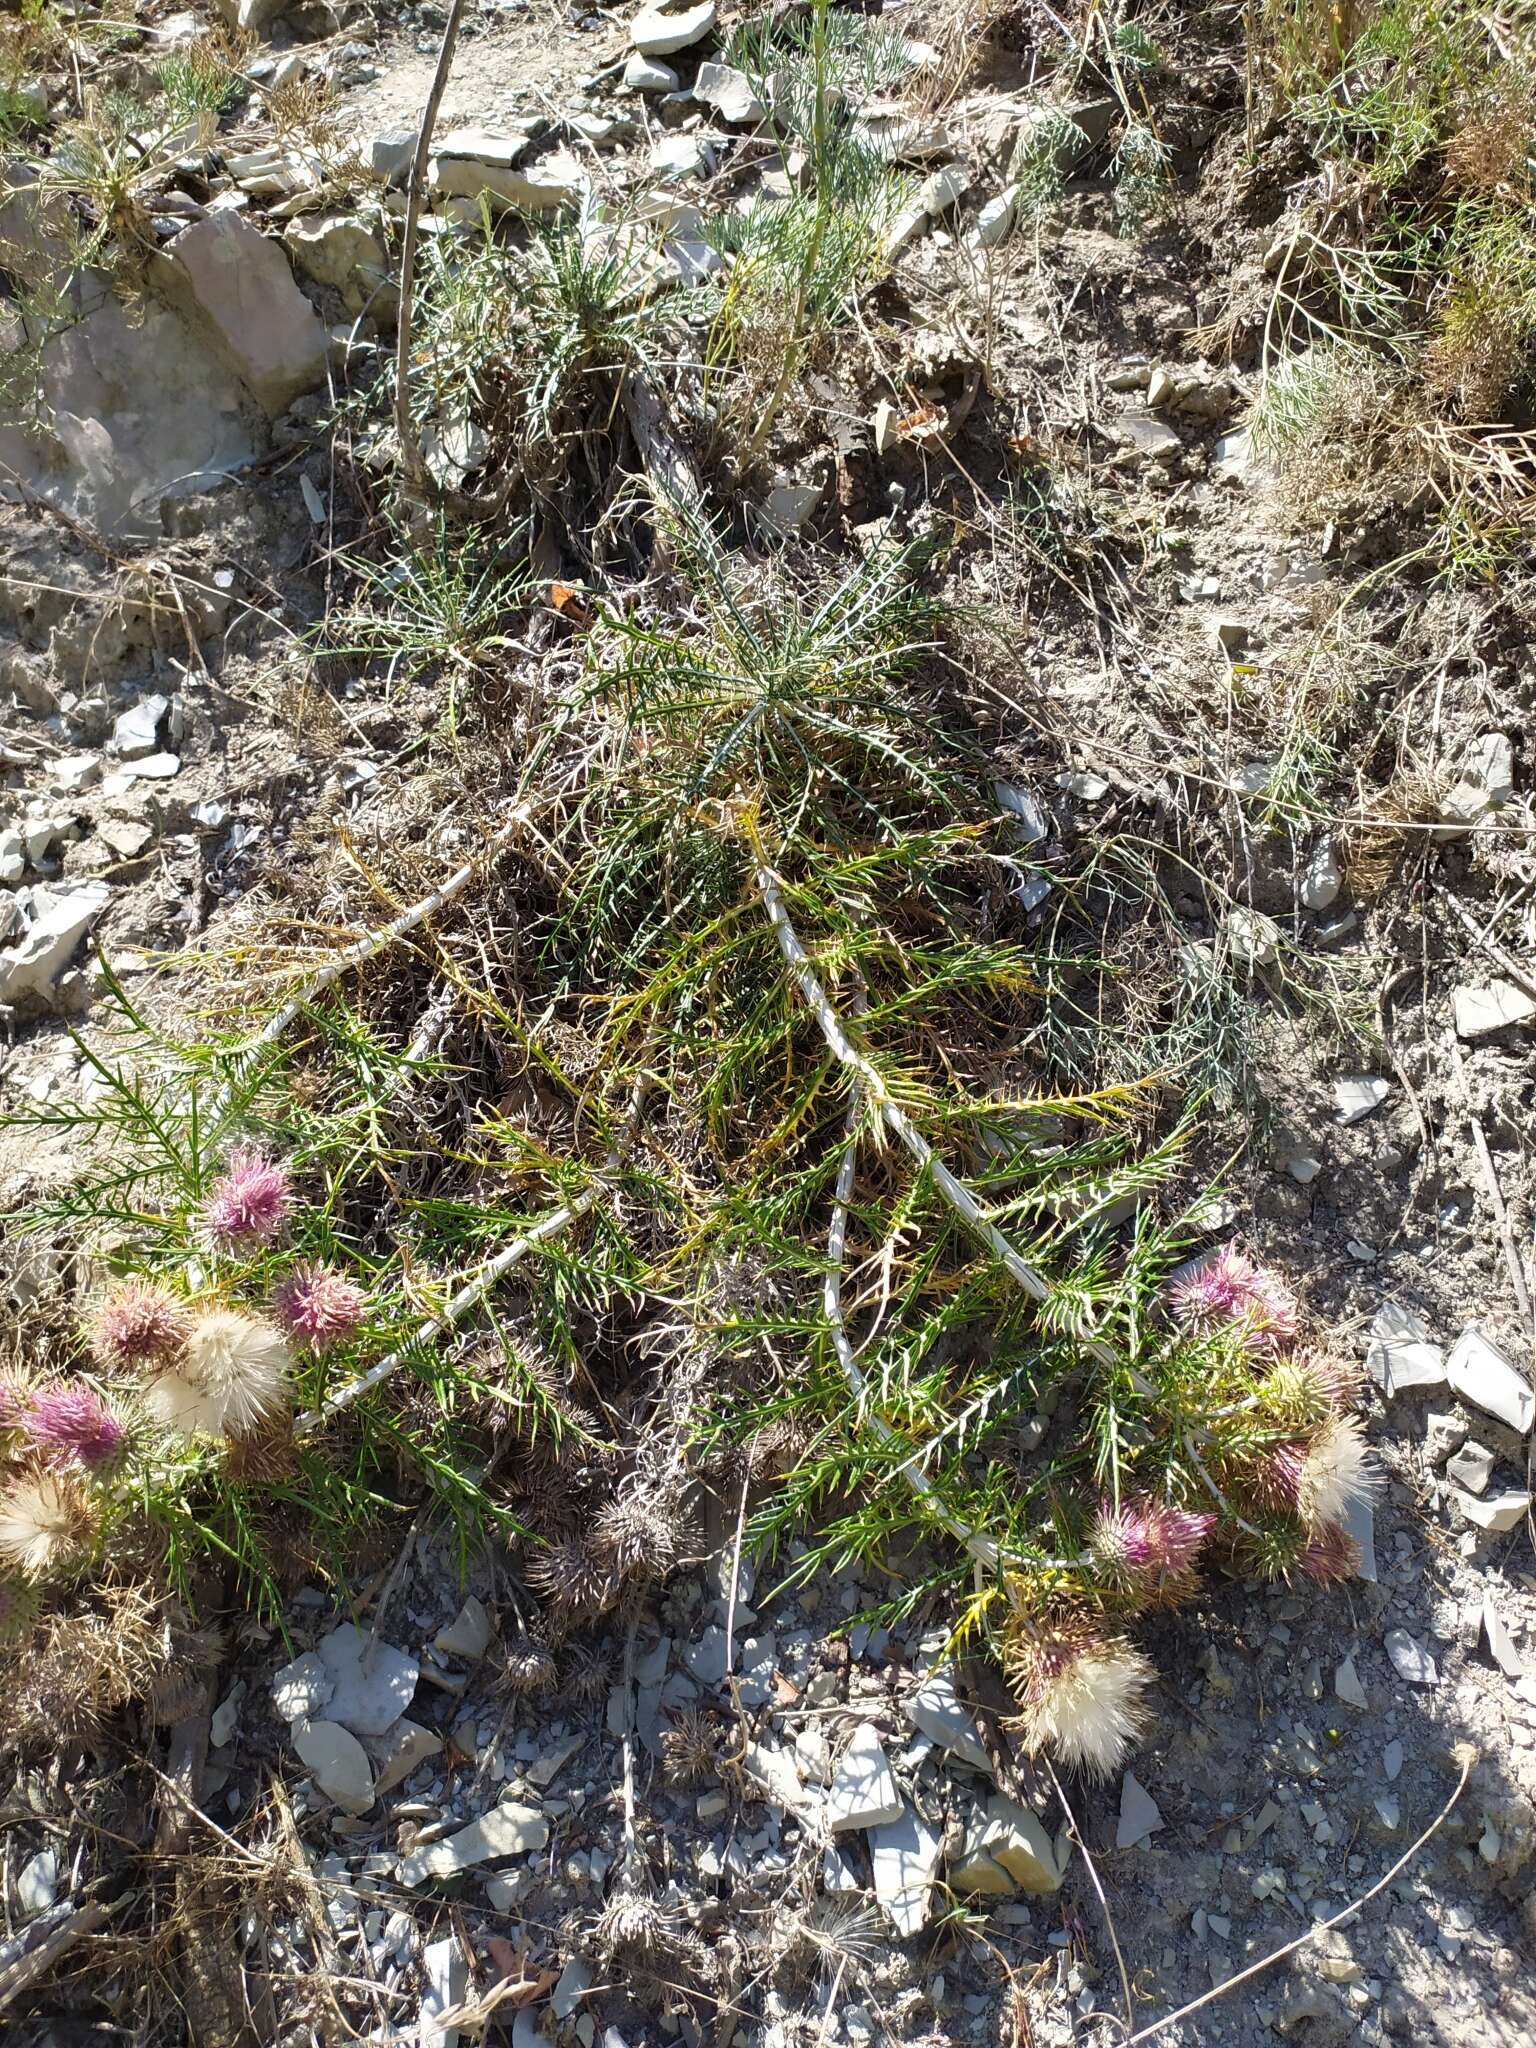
(71, 1424)
(689, 1750)
(635, 1920)
(527, 1665)
(588, 1674)
(1082, 1693)
(47, 1519)
(19, 1604)
(15, 1401)
(248, 1204)
(1230, 1289)
(637, 1533)
(232, 1378)
(318, 1306)
(263, 1455)
(1331, 1556)
(138, 1327)
(567, 1571)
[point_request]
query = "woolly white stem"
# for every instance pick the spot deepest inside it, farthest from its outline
(474, 1291)
(955, 1192)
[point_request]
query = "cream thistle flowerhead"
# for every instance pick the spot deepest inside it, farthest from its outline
(318, 1306)
(232, 1376)
(46, 1520)
(248, 1204)
(1082, 1693)
(139, 1326)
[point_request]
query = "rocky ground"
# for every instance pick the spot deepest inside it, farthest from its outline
(852, 1851)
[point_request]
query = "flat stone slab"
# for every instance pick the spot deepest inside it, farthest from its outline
(1402, 1351)
(863, 1792)
(1140, 1814)
(905, 1856)
(510, 1829)
(934, 1708)
(372, 1684)
(1480, 1012)
(1481, 1374)
(337, 1762)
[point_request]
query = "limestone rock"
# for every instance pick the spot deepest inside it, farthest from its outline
(468, 1635)
(338, 1763)
(934, 1708)
(553, 182)
(1140, 1814)
(644, 74)
(905, 1857)
(863, 1793)
(729, 92)
(232, 280)
(56, 920)
(399, 1750)
(335, 249)
(1480, 1012)
(1402, 1351)
(372, 1684)
(665, 26)
(510, 1829)
(1481, 1374)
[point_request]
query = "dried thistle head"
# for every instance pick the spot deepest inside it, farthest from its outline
(1330, 1556)
(1082, 1692)
(588, 1674)
(568, 1574)
(527, 1666)
(264, 1455)
(47, 1521)
(231, 1378)
(138, 1328)
(635, 1923)
(690, 1748)
(638, 1534)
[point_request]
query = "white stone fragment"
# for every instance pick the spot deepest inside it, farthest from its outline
(302, 1688)
(1481, 1374)
(658, 30)
(1357, 1095)
(511, 1829)
(337, 1762)
(1480, 1012)
(468, 1635)
(372, 1683)
(399, 1750)
(934, 1708)
(1140, 1814)
(1496, 1512)
(863, 1792)
(729, 92)
(446, 1972)
(37, 1883)
(59, 920)
(905, 1854)
(1501, 1643)
(644, 74)
(1347, 1686)
(1402, 1351)
(1410, 1659)
(1322, 878)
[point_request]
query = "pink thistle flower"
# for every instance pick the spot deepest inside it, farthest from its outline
(1230, 1288)
(318, 1306)
(249, 1203)
(1144, 1539)
(1277, 1478)
(1331, 1556)
(138, 1325)
(71, 1422)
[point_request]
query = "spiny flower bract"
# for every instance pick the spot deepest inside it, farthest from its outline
(1082, 1693)
(1229, 1288)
